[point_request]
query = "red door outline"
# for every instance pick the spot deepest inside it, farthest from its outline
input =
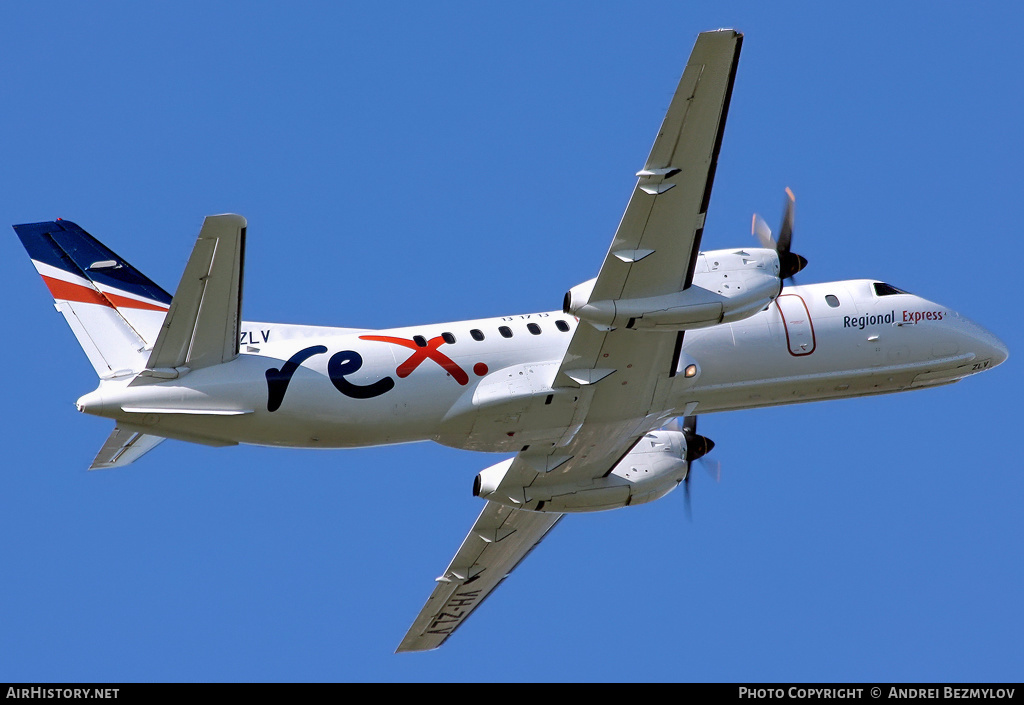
(791, 343)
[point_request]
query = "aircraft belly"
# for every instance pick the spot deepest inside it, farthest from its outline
(510, 426)
(357, 393)
(510, 408)
(796, 390)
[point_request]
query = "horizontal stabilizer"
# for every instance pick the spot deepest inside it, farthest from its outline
(123, 447)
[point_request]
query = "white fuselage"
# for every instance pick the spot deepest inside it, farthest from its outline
(348, 388)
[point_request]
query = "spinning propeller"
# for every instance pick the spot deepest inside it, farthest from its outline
(789, 262)
(697, 447)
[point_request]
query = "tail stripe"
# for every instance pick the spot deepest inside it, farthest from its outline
(63, 245)
(114, 311)
(69, 291)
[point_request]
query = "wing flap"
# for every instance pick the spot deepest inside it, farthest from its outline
(202, 325)
(500, 539)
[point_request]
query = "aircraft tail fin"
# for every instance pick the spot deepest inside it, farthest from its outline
(113, 309)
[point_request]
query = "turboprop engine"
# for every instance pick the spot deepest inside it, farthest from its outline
(653, 468)
(728, 285)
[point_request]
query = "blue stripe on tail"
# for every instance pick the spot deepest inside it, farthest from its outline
(64, 245)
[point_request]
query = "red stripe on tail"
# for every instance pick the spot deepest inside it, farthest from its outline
(67, 291)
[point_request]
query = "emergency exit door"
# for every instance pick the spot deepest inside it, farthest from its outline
(796, 320)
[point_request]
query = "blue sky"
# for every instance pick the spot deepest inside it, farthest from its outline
(419, 164)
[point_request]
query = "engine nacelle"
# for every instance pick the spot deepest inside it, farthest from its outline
(655, 466)
(728, 285)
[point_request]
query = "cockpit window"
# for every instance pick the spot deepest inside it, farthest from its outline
(887, 290)
(832, 300)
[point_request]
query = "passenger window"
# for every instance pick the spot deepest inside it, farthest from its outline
(448, 338)
(420, 341)
(832, 301)
(533, 328)
(477, 334)
(505, 331)
(562, 326)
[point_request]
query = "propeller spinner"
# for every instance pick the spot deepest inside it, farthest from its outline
(789, 262)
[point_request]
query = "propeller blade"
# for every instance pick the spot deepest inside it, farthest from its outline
(686, 495)
(786, 229)
(712, 467)
(760, 230)
(697, 446)
(789, 262)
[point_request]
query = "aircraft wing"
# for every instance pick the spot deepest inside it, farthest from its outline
(499, 540)
(621, 380)
(624, 377)
(503, 536)
(656, 245)
(202, 326)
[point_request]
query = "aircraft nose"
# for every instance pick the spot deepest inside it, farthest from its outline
(999, 350)
(986, 345)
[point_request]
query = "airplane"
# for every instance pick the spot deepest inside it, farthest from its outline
(597, 401)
